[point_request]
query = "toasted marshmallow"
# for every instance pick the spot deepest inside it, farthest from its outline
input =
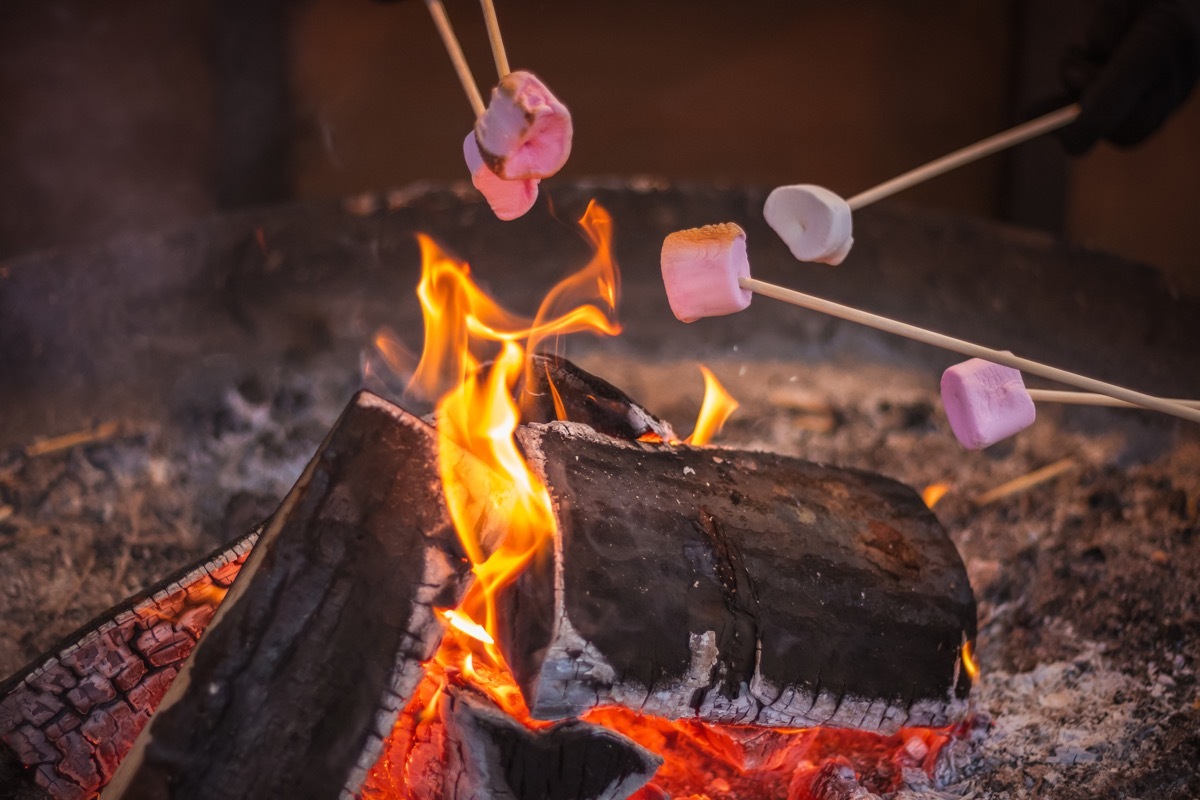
(508, 199)
(525, 131)
(813, 222)
(700, 269)
(985, 402)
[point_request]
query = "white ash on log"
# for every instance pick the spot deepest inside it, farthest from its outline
(491, 755)
(70, 716)
(736, 587)
(319, 645)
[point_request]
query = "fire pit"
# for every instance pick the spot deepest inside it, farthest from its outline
(205, 367)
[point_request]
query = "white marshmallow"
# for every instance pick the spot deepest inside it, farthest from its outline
(985, 402)
(700, 269)
(813, 222)
(525, 131)
(508, 199)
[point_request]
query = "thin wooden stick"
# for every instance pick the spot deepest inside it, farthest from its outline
(993, 144)
(1026, 482)
(100, 433)
(967, 348)
(442, 22)
(493, 26)
(1089, 399)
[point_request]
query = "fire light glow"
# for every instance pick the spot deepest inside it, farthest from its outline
(464, 328)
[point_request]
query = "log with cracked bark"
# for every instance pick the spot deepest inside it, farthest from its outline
(736, 587)
(56, 741)
(71, 715)
(320, 644)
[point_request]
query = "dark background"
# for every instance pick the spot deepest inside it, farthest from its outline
(130, 115)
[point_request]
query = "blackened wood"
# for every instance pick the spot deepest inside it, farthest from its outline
(491, 755)
(583, 397)
(69, 717)
(736, 587)
(319, 646)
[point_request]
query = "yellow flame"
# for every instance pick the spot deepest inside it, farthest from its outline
(717, 406)
(467, 625)
(968, 660)
(477, 413)
(934, 492)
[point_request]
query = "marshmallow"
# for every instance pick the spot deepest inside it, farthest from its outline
(508, 199)
(812, 221)
(985, 402)
(525, 131)
(700, 269)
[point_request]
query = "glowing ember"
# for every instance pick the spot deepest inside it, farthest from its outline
(934, 492)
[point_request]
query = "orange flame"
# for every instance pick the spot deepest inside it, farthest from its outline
(717, 406)
(969, 662)
(934, 492)
(477, 413)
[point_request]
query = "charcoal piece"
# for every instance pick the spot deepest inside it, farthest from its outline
(736, 587)
(319, 645)
(553, 389)
(87, 698)
(493, 755)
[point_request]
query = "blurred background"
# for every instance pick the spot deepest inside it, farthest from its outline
(121, 116)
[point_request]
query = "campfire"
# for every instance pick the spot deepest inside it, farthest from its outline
(594, 648)
(539, 592)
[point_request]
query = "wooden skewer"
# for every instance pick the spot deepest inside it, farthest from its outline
(1026, 482)
(1089, 399)
(493, 26)
(442, 22)
(992, 144)
(967, 348)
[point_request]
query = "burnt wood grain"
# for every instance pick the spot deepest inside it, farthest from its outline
(736, 587)
(302, 673)
(70, 716)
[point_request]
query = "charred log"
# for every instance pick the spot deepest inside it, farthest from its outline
(736, 587)
(302, 673)
(70, 716)
(493, 755)
(553, 389)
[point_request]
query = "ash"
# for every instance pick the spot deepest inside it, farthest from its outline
(1088, 583)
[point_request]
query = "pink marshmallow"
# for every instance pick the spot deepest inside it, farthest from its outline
(700, 269)
(525, 131)
(508, 199)
(985, 402)
(813, 222)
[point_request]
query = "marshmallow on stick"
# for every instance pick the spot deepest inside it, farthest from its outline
(508, 199)
(525, 131)
(701, 267)
(985, 402)
(815, 223)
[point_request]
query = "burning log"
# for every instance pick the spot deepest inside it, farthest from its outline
(736, 587)
(68, 719)
(553, 389)
(301, 675)
(493, 755)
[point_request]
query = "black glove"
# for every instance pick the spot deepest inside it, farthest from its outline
(1139, 64)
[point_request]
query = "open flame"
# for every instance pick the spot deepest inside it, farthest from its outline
(473, 357)
(476, 411)
(716, 408)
